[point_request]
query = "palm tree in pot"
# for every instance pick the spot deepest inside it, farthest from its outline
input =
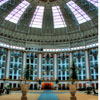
(27, 72)
(39, 81)
(57, 81)
(72, 87)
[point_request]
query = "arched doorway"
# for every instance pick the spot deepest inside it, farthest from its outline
(47, 86)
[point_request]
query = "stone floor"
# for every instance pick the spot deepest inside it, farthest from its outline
(80, 96)
(17, 96)
(34, 95)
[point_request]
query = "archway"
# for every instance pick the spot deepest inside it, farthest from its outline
(47, 86)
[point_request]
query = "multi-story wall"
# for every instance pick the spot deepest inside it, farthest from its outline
(32, 61)
(63, 65)
(93, 61)
(79, 59)
(47, 67)
(3, 53)
(93, 58)
(15, 69)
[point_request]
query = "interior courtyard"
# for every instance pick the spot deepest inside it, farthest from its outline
(49, 50)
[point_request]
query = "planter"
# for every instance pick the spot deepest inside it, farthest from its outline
(24, 89)
(72, 91)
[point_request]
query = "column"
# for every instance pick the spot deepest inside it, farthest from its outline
(55, 66)
(71, 59)
(33, 85)
(87, 64)
(40, 66)
(8, 64)
(70, 63)
(24, 61)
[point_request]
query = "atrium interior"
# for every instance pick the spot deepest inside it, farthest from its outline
(49, 45)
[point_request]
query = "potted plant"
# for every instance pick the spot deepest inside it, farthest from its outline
(27, 72)
(72, 87)
(57, 81)
(39, 81)
(47, 57)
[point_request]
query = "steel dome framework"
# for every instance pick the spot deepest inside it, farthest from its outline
(74, 34)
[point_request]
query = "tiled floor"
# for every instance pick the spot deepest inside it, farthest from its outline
(35, 96)
(17, 96)
(80, 96)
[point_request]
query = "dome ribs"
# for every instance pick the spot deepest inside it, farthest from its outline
(73, 34)
(87, 8)
(7, 10)
(48, 0)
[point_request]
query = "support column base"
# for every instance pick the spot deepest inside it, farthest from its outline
(73, 98)
(23, 98)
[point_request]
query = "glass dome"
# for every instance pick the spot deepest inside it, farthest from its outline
(49, 24)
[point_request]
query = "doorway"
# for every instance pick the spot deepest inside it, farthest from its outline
(47, 86)
(35, 86)
(31, 86)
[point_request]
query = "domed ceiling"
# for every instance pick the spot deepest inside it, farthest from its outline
(49, 23)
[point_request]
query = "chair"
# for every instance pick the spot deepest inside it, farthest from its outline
(95, 93)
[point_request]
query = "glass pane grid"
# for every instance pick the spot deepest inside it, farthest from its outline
(3, 2)
(58, 18)
(80, 15)
(37, 17)
(15, 15)
(94, 2)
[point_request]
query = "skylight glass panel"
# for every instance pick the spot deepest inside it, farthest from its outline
(80, 15)
(37, 18)
(3, 2)
(58, 19)
(94, 2)
(15, 15)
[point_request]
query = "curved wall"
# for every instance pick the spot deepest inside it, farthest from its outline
(49, 66)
